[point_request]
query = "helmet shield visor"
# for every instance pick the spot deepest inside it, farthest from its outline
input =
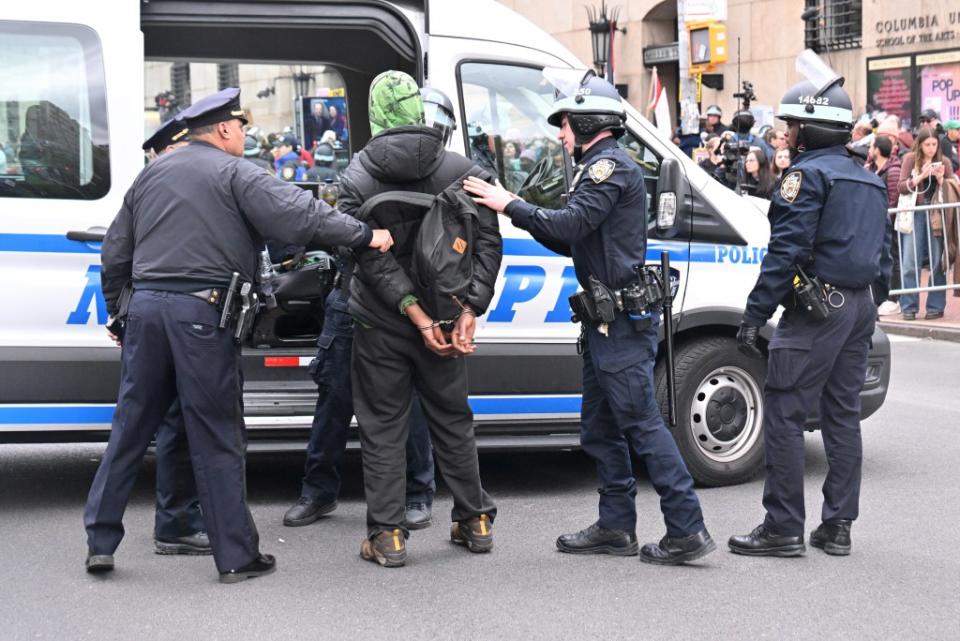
(816, 71)
(565, 82)
(437, 117)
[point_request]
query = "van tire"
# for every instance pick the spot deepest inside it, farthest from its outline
(719, 427)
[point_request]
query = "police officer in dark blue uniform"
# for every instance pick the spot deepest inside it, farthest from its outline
(178, 525)
(827, 247)
(191, 220)
(603, 227)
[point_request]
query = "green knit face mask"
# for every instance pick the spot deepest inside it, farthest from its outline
(394, 101)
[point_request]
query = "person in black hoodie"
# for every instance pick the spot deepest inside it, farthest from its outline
(397, 347)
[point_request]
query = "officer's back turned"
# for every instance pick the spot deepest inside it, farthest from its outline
(188, 237)
(828, 246)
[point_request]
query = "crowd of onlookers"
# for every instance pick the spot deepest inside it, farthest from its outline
(765, 154)
(283, 154)
(919, 166)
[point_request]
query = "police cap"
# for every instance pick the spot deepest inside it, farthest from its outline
(169, 133)
(221, 106)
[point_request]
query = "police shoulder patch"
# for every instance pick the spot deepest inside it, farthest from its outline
(790, 186)
(601, 170)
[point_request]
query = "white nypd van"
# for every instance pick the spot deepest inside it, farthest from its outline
(72, 114)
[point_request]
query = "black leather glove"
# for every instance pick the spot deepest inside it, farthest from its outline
(747, 340)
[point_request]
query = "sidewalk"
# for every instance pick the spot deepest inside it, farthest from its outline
(944, 329)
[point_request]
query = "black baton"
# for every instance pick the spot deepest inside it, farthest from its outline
(668, 335)
(227, 314)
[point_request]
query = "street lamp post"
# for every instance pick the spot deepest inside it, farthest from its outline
(603, 25)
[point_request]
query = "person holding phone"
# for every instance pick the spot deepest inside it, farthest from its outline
(923, 171)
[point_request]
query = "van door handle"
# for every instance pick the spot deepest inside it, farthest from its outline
(92, 235)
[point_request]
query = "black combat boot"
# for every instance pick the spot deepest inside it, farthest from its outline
(833, 537)
(763, 542)
(599, 540)
(674, 551)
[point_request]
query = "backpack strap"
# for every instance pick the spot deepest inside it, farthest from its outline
(414, 198)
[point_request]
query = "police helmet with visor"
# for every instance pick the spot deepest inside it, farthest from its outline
(591, 106)
(819, 104)
(438, 112)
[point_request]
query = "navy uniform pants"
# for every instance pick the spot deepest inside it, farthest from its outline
(174, 349)
(331, 420)
(816, 363)
(620, 414)
(178, 504)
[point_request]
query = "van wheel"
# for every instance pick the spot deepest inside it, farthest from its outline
(719, 427)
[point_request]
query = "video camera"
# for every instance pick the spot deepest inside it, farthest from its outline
(735, 150)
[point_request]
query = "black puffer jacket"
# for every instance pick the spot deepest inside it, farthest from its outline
(408, 159)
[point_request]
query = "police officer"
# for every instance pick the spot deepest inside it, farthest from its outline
(190, 220)
(603, 227)
(178, 525)
(828, 220)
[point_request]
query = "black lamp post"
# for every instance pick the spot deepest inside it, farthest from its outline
(602, 27)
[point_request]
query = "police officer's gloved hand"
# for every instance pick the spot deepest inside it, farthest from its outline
(747, 340)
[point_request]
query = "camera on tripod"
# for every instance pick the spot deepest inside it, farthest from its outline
(735, 149)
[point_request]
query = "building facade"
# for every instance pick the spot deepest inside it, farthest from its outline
(897, 56)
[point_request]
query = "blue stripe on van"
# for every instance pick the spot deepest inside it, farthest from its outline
(62, 415)
(90, 415)
(47, 243)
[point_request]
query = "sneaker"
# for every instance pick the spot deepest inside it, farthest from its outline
(386, 548)
(418, 516)
(888, 308)
(475, 534)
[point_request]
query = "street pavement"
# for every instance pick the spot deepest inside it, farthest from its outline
(901, 582)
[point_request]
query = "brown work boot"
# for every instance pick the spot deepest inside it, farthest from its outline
(476, 533)
(386, 548)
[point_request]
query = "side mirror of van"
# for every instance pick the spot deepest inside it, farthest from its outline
(669, 190)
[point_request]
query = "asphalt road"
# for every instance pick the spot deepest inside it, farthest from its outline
(901, 582)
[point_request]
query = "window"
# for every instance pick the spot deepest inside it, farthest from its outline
(834, 24)
(505, 109)
(649, 164)
(304, 104)
(53, 129)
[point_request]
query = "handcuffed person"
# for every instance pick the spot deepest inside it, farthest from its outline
(397, 347)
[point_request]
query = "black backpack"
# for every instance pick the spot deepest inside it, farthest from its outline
(442, 262)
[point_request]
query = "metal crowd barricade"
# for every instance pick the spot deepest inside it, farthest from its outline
(935, 253)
